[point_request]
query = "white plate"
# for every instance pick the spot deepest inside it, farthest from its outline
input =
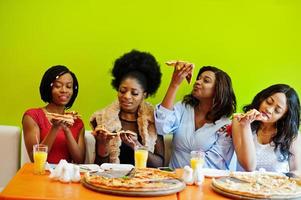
(82, 167)
(113, 166)
(208, 172)
(258, 172)
(88, 167)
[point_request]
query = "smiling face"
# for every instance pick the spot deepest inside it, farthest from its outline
(62, 89)
(130, 94)
(204, 87)
(274, 107)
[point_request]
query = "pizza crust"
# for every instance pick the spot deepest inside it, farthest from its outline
(68, 117)
(179, 67)
(142, 179)
(258, 185)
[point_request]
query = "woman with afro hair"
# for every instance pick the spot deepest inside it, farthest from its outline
(136, 75)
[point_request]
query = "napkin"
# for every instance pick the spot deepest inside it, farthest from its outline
(65, 172)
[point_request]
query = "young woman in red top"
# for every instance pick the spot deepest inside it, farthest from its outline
(59, 88)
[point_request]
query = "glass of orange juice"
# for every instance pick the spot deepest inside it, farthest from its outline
(39, 157)
(141, 154)
(197, 158)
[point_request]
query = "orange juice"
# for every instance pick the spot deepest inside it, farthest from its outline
(195, 161)
(40, 158)
(141, 158)
(197, 158)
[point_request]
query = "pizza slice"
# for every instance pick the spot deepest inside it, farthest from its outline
(68, 117)
(130, 133)
(101, 127)
(179, 67)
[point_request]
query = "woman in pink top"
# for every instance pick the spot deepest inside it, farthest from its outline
(59, 88)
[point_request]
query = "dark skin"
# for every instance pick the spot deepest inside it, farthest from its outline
(76, 146)
(130, 96)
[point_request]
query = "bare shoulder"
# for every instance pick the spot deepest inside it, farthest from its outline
(298, 139)
(296, 145)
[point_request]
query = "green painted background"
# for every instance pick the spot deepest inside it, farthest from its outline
(257, 42)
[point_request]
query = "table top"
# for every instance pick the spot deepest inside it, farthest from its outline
(26, 185)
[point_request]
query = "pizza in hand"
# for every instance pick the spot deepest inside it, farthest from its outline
(179, 67)
(68, 117)
(112, 133)
(102, 128)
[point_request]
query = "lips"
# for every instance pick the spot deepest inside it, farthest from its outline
(63, 98)
(264, 114)
(126, 103)
(197, 87)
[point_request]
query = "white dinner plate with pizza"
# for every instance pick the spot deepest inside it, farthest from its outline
(82, 167)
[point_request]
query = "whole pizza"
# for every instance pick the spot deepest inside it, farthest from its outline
(139, 182)
(258, 185)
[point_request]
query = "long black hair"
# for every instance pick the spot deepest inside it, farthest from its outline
(288, 125)
(224, 101)
(49, 77)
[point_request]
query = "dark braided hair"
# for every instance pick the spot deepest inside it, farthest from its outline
(49, 77)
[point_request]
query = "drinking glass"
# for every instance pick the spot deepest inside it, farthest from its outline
(197, 158)
(141, 154)
(39, 156)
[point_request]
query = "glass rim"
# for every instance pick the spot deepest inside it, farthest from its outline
(141, 148)
(197, 153)
(39, 147)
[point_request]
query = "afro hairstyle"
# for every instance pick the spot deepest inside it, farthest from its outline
(139, 65)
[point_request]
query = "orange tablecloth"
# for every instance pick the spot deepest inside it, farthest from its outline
(26, 185)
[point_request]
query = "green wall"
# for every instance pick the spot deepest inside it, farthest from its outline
(257, 42)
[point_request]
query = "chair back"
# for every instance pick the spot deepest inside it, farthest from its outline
(9, 153)
(24, 155)
(90, 147)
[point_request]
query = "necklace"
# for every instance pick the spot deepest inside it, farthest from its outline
(129, 121)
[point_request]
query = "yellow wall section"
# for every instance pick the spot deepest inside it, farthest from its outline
(257, 42)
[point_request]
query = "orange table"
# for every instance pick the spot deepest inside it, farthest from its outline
(26, 185)
(202, 192)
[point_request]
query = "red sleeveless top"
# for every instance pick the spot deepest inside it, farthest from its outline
(59, 148)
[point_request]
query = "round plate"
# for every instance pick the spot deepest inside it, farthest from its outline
(177, 186)
(233, 195)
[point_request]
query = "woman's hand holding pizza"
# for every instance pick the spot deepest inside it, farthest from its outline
(63, 120)
(182, 69)
(102, 134)
(57, 123)
(250, 116)
(129, 138)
